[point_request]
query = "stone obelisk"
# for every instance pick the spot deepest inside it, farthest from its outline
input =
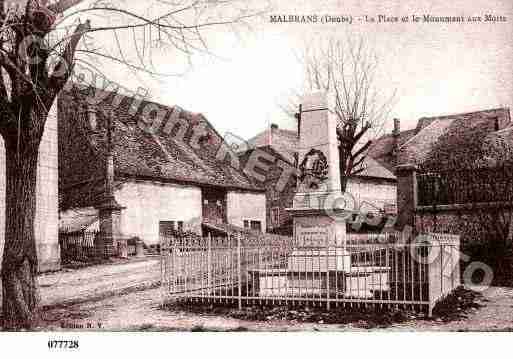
(318, 206)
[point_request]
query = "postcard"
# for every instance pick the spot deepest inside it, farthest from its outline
(254, 166)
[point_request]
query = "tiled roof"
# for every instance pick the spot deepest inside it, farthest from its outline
(373, 168)
(454, 141)
(140, 154)
(78, 220)
(498, 146)
(285, 142)
(382, 148)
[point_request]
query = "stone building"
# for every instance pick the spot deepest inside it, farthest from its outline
(278, 196)
(172, 170)
(445, 172)
(46, 223)
(374, 189)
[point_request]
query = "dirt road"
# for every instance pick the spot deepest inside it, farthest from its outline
(140, 311)
(71, 286)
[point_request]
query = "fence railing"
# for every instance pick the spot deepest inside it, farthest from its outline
(249, 271)
(372, 238)
(465, 186)
(78, 246)
(86, 246)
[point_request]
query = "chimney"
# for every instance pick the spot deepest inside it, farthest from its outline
(397, 127)
(297, 116)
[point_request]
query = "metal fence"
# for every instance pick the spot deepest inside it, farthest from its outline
(465, 186)
(265, 270)
(78, 246)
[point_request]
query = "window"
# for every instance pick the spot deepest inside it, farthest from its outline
(275, 215)
(253, 225)
(256, 226)
(274, 194)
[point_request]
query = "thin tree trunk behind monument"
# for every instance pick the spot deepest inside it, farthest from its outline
(19, 265)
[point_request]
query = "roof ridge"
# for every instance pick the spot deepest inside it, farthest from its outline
(446, 117)
(418, 133)
(463, 113)
(505, 129)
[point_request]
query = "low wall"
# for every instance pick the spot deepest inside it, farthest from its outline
(470, 223)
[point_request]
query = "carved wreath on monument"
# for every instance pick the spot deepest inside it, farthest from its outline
(313, 170)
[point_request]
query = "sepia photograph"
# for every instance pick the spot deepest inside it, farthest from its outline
(254, 166)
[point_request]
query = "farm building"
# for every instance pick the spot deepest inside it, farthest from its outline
(171, 177)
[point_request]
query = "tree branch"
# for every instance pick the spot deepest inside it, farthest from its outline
(60, 6)
(3, 87)
(361, 150)
(355, 168)
(10, 67)
(2, 10)
(7, 119)
(64, 68)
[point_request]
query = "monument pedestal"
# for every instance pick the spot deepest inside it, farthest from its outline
(319, 256)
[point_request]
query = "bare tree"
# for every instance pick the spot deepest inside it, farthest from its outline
(32, 75)
(346, 71)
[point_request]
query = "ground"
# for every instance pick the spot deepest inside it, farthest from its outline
(99, 281)
(141, 311)
(126, 296)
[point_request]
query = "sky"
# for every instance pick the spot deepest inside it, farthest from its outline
(434, 68)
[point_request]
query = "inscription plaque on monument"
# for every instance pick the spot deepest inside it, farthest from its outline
(312, 235)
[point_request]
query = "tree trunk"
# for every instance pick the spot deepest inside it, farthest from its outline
(343, 183)
(342, 162)
(19, 266)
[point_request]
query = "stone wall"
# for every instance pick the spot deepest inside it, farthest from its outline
(373, 191)
(147, 203)
(46, 222)
(279, 201)
(243, 206)
(476, 241)
(466, 222)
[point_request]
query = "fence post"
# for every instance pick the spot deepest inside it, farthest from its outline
(328, 272)
(441, 268)
(239, 269)
(176, 269)
(163, 271)
(209, 262)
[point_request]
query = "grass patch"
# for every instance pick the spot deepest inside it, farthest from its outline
(454, 307)
(458, 304)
